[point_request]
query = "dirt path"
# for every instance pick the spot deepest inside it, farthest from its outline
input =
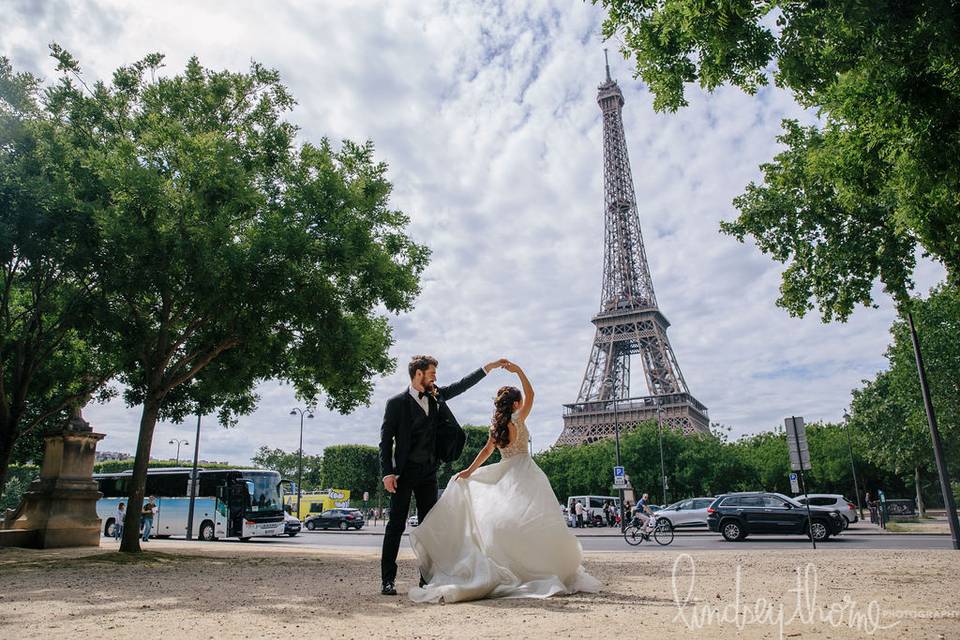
(221, 590)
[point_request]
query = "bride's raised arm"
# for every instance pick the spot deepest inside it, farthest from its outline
(527, 389)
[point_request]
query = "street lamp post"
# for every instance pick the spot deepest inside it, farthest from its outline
(194, 481)
(302, 412)
(609, 380)
(663, 473)
(853, 467)
(178, 442)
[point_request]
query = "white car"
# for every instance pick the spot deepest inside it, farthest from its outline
(413, 520)
(832, 501)
(687, 514)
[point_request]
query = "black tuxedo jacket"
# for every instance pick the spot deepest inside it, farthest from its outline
(398, 421)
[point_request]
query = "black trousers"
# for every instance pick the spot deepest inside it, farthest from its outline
(416, 480)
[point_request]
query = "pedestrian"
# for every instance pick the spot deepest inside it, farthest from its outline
(578, 509)
(146, 517)
(118, 521)
(872, 506)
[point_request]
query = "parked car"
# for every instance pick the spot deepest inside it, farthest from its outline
(832, 501)
(686, 513)
(738, 515)
(413, 520)
(339, 518)
(291, 524)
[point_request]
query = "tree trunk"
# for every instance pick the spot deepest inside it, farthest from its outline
(6, 450)
(921, 508)
(131, 523)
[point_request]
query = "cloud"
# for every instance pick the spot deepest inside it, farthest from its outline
(486, 113)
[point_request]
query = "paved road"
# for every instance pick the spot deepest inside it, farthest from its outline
(685, 541)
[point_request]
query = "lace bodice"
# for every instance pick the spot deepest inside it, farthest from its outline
(519, 444)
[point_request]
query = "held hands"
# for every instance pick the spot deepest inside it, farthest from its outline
(502, 363)
(496, 364)
(390, 483)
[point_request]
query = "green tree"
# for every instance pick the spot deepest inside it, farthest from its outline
(287, 464)
(476, 439)
(116, 466)
(352, 466)
(17, 482)
(227, 252)
(889, 410)
(46, 365)
(849, 201)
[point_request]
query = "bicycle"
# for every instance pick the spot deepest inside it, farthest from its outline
(636, 532)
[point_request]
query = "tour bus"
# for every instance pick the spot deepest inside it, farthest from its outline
(230, 503)
(593, 505)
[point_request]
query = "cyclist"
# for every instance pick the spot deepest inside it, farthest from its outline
(642, 514)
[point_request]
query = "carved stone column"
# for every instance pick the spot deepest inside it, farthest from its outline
(60, 509)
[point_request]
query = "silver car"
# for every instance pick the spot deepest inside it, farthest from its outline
(687, 513)
(834, 501)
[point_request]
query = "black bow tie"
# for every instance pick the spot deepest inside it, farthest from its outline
(422, 393)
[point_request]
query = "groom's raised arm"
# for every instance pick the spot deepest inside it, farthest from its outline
(458, 387)
(388, 434)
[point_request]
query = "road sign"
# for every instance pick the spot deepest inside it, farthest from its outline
(794, 485)
(797, 444)
(619, 478)
(366, 496)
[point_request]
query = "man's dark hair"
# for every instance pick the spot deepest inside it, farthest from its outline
(420, 363)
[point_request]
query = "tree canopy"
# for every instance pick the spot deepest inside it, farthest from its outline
(854, 197)
(228, 252)
(889, 409)
(47, 362)
(288, 463)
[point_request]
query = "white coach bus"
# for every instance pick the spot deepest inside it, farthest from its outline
(230, 503)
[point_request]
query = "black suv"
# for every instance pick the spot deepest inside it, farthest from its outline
(737, 515)
(340, 518)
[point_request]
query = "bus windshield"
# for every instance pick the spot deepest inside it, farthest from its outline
(266, 490)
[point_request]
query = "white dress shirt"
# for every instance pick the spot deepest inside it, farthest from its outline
(423, 402)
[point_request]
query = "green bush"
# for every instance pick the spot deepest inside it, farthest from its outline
(116, 466)
(19, 478)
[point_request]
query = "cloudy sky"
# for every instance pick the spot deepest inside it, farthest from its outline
(486, 114)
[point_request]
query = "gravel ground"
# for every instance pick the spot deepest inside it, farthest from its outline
(222, 590)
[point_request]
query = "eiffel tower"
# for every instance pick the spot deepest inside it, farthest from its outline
(630, 322)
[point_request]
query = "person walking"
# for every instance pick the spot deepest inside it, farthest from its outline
(118, 521)
(578, 509)
(146, 517)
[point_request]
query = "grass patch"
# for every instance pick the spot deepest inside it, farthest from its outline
(917, 527)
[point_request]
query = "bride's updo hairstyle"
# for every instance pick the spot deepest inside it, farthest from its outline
(503, 408)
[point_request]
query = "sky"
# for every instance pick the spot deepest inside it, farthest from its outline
(486, 114)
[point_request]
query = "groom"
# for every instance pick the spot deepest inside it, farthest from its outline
(419, 431)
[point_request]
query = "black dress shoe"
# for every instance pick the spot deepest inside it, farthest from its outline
(388, 589)
(423, 582)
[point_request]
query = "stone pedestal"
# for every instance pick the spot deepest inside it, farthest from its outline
(60, 509)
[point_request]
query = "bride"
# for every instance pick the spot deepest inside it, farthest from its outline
(497, 531)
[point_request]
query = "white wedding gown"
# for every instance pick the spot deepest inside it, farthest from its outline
(499, 534)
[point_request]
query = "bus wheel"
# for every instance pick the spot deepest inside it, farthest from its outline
(109, 528)
(206, 531)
